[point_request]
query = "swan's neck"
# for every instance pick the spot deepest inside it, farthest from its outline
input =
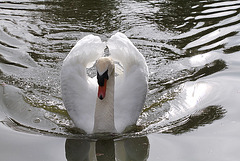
(104, 112)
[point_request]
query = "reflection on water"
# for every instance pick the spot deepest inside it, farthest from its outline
(128, 149)
(85, 16)
(200, 118)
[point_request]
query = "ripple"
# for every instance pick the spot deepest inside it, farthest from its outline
(24, 6)
(213, 25)
(215, 15)
(214, 36)
(200, 118)
(222, 4)
(220, 9)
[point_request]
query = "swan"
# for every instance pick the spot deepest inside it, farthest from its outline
(112, 100)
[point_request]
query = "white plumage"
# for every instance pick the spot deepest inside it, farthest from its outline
(79, 91)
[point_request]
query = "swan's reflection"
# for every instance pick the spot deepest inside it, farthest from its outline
(129, 149)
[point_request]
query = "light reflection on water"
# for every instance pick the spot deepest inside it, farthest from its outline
(191, 49)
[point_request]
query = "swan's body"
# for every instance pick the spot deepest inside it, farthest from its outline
(125, 94)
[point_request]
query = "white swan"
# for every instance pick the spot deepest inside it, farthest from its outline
(110, 103)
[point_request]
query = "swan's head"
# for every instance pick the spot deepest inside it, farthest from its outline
(105, 67)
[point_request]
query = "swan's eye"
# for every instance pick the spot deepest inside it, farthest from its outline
(101, 78)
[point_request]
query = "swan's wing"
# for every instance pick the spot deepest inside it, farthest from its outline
(131, 89)
(78, 90)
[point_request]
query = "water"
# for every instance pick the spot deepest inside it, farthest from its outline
(191, 49)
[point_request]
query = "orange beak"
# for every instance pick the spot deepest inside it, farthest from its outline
(102, 90)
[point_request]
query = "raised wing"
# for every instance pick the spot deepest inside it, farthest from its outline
(131, 89)
(79, 90)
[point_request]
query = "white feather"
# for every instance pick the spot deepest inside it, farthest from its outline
(79, 91)
(131, 88)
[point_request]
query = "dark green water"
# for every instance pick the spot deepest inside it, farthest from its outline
(192, 51)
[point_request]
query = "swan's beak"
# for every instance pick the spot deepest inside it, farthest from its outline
(102, 84)
(102, 90)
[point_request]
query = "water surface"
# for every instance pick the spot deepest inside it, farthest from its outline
(191, 49)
